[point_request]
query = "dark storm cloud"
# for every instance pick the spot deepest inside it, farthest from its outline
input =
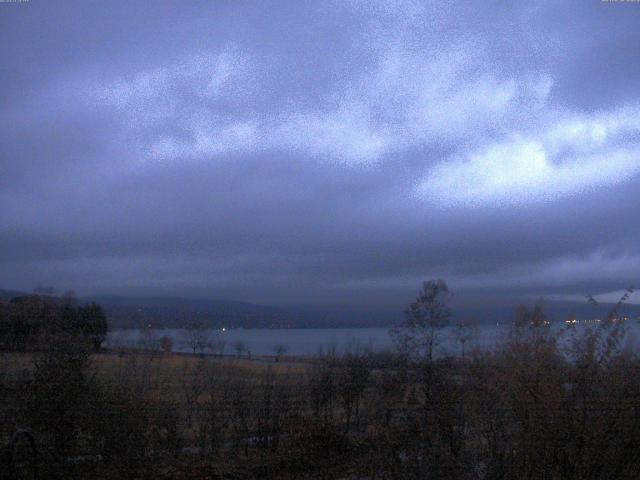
(328, 153)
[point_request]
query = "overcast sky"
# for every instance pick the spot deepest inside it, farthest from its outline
(336, 153)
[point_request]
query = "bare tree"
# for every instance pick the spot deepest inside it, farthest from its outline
(279, 350)
(425, 318)
(352, 380)
(240, 347)
(193, 383)
(217, 347)
(166, 343)
(463, 332)
(197, 337)
(148, 340)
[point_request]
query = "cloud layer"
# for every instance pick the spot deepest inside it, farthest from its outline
(335, 153)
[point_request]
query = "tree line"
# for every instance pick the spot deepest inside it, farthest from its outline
(26, 320)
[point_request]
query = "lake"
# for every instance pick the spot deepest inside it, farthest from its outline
(310, 341)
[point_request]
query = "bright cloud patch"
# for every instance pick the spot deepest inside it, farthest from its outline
(198, 76)
(573, 156)
(209, 139)
(506, 143)
(208, 105)
(346, 133)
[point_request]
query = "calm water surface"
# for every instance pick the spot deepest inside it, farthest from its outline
(310, 341)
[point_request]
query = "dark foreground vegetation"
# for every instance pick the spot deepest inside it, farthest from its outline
(27, 319)
(530, 409)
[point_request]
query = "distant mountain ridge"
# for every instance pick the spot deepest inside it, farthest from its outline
(9, 294)
(179, 312)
